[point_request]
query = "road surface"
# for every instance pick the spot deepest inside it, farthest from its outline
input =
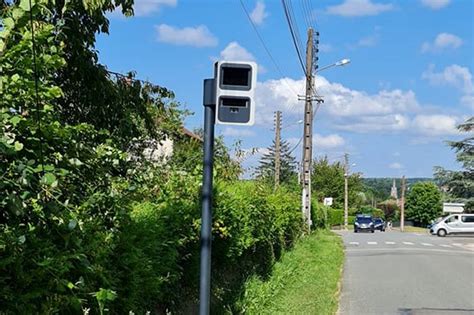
(407, 273)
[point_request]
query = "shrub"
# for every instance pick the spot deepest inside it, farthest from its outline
(336, 217)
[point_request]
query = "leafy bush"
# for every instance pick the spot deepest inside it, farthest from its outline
(336, 217)
(374, 212)
(423, 203)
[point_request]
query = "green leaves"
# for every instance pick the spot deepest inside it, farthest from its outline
(18, 146)
(49, 179)
(25, 5)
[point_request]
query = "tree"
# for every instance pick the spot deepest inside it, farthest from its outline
(423, 203)
(390, 208)
(327, 180)
(459, 185)
(266, 167)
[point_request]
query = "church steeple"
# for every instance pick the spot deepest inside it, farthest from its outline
(394, 192)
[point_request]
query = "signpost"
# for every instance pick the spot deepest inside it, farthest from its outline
(453, 207)
(229, 99)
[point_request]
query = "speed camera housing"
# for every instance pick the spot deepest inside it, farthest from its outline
(235, 91)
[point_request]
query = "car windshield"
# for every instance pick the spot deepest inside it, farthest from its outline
(364, 220)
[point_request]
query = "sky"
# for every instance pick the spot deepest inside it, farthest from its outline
(391, 109)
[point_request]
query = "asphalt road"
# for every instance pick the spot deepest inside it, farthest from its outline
(407, 273)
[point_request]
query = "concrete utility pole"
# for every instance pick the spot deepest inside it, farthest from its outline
(402, 205)
(277, 148)
(346, 190)
(308, 131)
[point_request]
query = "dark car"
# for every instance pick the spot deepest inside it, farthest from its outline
(364, 223)
(379, 224)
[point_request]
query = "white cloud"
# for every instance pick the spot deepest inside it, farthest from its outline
(349, 109)
(395, 166)
(359, 8)
(454, 75)
(347, 102)
(387, 111)
(148, 7)
(435, 4)
(325, 47)
(443, 41)
(280, 94)
(199, 36)
(365, 124)
(367, 41)
(236, 132)
(468, 101)
(234, 52)
(258, 14)
(436, 125)
(328, 142)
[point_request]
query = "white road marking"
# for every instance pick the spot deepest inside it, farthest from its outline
(408, 243)
(354, 243)
(390, 243)
(427, 244)
(456, 244)
(446, 245)
(372, 243)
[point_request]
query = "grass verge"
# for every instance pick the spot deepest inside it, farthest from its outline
(415, 229)
(304, 281)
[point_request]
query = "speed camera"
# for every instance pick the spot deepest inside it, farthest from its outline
(235, 91)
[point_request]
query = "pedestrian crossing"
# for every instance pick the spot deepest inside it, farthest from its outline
(469, 246)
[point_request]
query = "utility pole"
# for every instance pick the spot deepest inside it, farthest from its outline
(346, 190)
(402, 205)
(308, 131)
(277, 148)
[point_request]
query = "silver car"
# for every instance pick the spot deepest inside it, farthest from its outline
(461, 223)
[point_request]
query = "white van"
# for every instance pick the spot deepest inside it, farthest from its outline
(459, 223)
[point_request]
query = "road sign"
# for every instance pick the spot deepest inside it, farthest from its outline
(453, 207)
(328, 201)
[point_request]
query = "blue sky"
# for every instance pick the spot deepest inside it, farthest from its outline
(408, 85)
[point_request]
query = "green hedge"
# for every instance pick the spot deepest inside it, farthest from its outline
(336, 217)
(159, 260)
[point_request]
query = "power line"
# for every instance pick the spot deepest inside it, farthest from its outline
(311, 11)
(304, 10)
(318, 105)
(277, 67)
(294, 35)
(295, 24)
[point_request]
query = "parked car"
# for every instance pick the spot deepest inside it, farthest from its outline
(461, 223)
(363, 223)
(379, 224)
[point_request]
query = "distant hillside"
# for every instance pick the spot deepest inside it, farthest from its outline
(381, 186)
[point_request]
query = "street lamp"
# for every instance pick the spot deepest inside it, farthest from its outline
(339, 63)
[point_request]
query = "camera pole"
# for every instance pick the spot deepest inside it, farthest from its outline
(206, 198)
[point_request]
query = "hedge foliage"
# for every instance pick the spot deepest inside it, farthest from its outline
(88, 225)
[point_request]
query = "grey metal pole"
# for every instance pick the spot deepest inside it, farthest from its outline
(206, 201)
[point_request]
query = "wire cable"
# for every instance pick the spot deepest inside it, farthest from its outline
(277, 67)
(295, 25)
(35, 65)
(294, 37)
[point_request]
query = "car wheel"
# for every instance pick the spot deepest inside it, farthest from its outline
(373, 231)
(442, 233)
(355, 230)
(383, 230)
